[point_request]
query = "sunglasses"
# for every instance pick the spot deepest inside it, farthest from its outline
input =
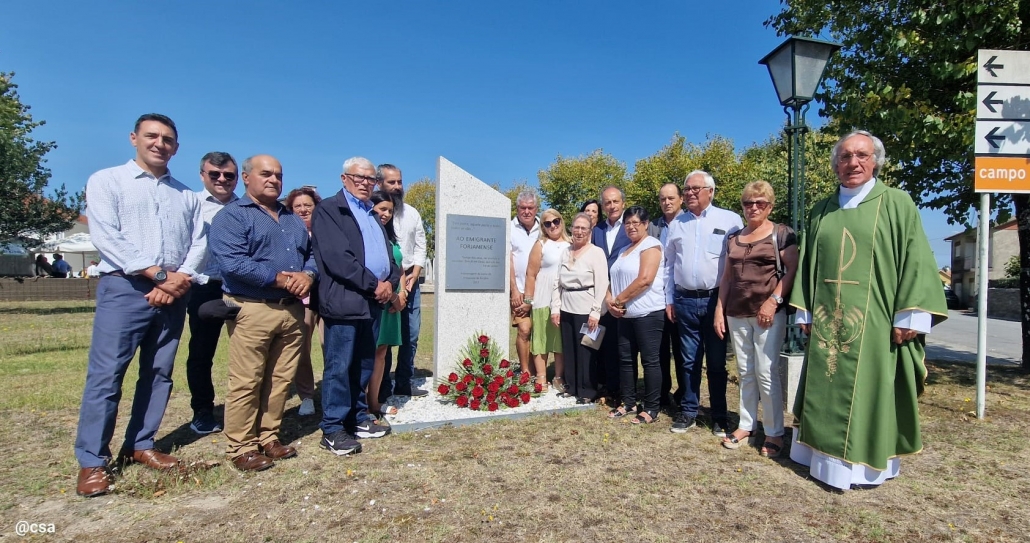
(760, 204)
(554, 222)
(229, 176)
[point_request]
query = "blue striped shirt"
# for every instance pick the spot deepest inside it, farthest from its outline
(250, 248)
(137, 221)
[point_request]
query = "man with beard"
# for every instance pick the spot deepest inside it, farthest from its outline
(411, 235)
(611, 237)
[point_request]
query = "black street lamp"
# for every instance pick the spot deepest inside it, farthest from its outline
(796, 68)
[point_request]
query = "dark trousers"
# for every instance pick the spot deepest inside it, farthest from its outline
(643, 336)
(125, 322)
(670, 358)
(349, 354)
(411, 322)
(694, 318)
(608, 357)
(204, 336)
(580, 362)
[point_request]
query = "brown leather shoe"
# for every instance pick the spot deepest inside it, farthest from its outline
(152, 458)
(94, 481)
(252, 461)
(278, 451)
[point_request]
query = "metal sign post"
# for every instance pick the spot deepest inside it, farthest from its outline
(1002, 148)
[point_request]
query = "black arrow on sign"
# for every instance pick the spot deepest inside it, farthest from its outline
(992, 137)
(989, 101)
(991, 66)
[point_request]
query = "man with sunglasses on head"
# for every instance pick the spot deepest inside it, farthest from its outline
(695, 251)
(218, 173)
(358, 278)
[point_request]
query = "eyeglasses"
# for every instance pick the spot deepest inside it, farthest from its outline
(215, 175)
(362, 178)
(633, 224)
(862, 157)
(760, 204)
(549, 224)
(695, 190)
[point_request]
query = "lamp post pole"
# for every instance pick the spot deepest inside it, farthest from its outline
(796, 129)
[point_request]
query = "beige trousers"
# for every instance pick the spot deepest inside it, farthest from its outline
(264, 348)
(305, 378)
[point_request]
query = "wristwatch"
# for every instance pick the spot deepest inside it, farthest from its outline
(160, 276)
(777, 299)
(310, 273)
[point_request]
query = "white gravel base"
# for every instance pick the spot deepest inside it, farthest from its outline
(432, 408)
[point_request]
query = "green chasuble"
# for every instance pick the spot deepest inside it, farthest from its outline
(857, 399)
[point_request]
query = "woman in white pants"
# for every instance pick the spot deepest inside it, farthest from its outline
(761, 261)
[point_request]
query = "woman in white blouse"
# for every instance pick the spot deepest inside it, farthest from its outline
(540, 276)
(576, 301)
(637, 300)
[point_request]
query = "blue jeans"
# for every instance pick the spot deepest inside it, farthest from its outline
(411, 322)
(349, 356)
(125, 322)
(694, 320)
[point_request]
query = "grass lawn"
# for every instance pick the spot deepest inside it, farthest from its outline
(552, 478)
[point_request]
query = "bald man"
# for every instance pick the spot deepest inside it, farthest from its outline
(264, 253)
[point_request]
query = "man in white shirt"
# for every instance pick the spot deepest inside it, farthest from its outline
(219, 175)
(147, 227)
(411, 235)
(695, 251)
(525, 231)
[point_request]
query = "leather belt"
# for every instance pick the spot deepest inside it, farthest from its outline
(282, 302)
(689, 293)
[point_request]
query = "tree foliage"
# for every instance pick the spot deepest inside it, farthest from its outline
(422, 196)
(907, 73)
(513, 194)
(568, 182)
(26, 213)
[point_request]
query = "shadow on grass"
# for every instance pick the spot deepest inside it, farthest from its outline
(47, 310)
(963, 374)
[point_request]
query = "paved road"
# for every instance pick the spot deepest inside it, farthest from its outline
(955, 340)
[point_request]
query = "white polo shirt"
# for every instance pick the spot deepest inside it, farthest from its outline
(521, 244)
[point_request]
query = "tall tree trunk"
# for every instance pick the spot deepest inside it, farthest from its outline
(1022, 202)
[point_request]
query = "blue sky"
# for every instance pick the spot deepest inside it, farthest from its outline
(500, 89)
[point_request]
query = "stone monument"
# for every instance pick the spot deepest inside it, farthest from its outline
(471, 265)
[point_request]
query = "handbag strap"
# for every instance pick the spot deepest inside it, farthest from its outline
(776, 249)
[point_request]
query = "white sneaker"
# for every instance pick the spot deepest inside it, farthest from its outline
(307, 407)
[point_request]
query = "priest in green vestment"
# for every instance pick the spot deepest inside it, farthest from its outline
(866, 287)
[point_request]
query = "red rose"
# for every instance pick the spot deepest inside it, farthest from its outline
(453, 377)
(538, 387)
(483, 339)
(525, 397)
(461, 387)
(492, 406)
(484, 353)
(488, 369)
(467, 378)
(462, 401)
(505, 363)
(524, 378)
(510, 374)
(504, 397)
(491, 397)
(474, 405)
(467, 363)
(444, 389)
(493, 387)
(513, 390)
(478, 392)
(499, 380)
(513, 402)
(479, 380)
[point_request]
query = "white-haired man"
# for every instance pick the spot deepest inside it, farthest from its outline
(525, 231)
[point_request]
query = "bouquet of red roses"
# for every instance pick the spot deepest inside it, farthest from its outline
(483, 381)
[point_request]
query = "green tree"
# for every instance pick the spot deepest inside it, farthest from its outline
(26, 213)
(1012, 268)
(422, 196)
(568, 182)
(907, 73)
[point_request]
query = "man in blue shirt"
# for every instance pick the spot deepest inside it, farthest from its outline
(146, 226)
(264, 255)
(357, 278)
(62, 269)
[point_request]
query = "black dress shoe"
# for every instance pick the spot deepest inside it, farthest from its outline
(584, 401)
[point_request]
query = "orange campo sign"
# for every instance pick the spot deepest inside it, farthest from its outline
(1002, 174)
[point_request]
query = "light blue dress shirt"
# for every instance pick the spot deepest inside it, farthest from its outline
(695, 249)
(372, 237)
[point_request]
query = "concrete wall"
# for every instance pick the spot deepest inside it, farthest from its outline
(1003, 303)
(32, 289)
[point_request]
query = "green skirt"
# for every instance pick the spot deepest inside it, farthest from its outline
(389, 328)
(546, 336)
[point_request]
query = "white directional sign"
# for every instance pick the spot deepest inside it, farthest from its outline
(996, 66)
(1009, 102)
(1003, 138)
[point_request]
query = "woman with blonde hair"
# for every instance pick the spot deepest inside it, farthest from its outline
(540, 277)
(761, 261)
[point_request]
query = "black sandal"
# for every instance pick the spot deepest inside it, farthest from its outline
(732, 442)
(646, 417)
(618, 412)
(771, 450)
